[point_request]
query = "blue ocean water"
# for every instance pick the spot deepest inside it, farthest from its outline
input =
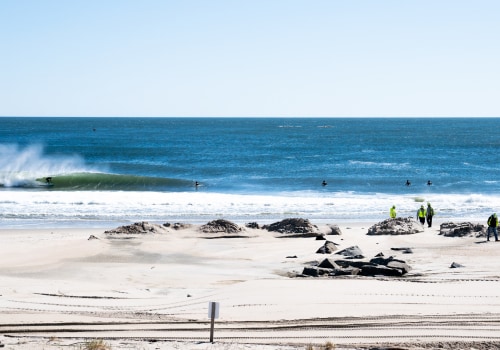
(108, 171)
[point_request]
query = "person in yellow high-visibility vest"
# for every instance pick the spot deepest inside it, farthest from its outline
(392, 212)
(421, 214)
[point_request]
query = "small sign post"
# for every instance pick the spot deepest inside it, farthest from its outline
(213, 313)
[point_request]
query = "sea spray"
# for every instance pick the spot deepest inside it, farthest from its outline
(21, 167)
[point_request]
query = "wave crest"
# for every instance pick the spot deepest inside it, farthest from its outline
(22, 166)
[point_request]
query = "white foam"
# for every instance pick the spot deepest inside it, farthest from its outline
(21, 166)
(18, 208)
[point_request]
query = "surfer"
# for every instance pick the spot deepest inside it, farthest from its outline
(48, 180)
(408, 183)
(324, 183)
(429, 182)
(196, 184)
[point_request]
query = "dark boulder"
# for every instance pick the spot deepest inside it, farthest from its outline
(310, 271)
(455, 265)
(329, 264)
(252, 225)
(352, 253)
(350, 263)
(399, 265)
(177, 225)
(328, 268)
(375, 270)
(327, 248)
(405, 250)
(334, 230)
(337, 270)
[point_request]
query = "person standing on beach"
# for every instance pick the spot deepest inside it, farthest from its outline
(421, 214)
(392, 212)
(429, 214)
(492, 226)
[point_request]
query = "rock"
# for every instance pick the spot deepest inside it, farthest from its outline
(352, 252)
(221, 225)
(296, 226)
(177, 225)
(400, 265)
(334, 230)
(397, 226)
(330, 268)
(139, 228)
(320, 238)
(310, 271)
(350, 263)
(292, 257)
(455, 265)
(91, 237)
(404, 250)
(327, 248)
(374, 270)
(329, 264)
(252, 225)
(464, 229)
(392, 263)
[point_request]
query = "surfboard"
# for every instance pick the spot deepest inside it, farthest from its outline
(45, 181)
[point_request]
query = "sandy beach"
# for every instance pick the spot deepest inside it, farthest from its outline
(61, 290)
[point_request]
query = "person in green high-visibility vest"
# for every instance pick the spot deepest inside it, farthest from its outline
(429, 214)
(392, 212)
(492, 226)
(421, 214)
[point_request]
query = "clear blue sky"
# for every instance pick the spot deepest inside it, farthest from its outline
(250, 58)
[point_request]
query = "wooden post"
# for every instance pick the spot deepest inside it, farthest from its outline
(212, 321)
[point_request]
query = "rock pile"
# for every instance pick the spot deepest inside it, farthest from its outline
(464, 229)
(397, 226)
(220, 226)
(138, 228)
(294, 227)
(352, 264)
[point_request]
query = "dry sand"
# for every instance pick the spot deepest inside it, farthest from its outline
(60, 290)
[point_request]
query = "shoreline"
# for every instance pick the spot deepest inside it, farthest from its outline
(152, 291)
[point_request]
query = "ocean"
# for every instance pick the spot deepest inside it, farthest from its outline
(106, 172)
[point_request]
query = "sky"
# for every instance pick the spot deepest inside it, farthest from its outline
(250, 58)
